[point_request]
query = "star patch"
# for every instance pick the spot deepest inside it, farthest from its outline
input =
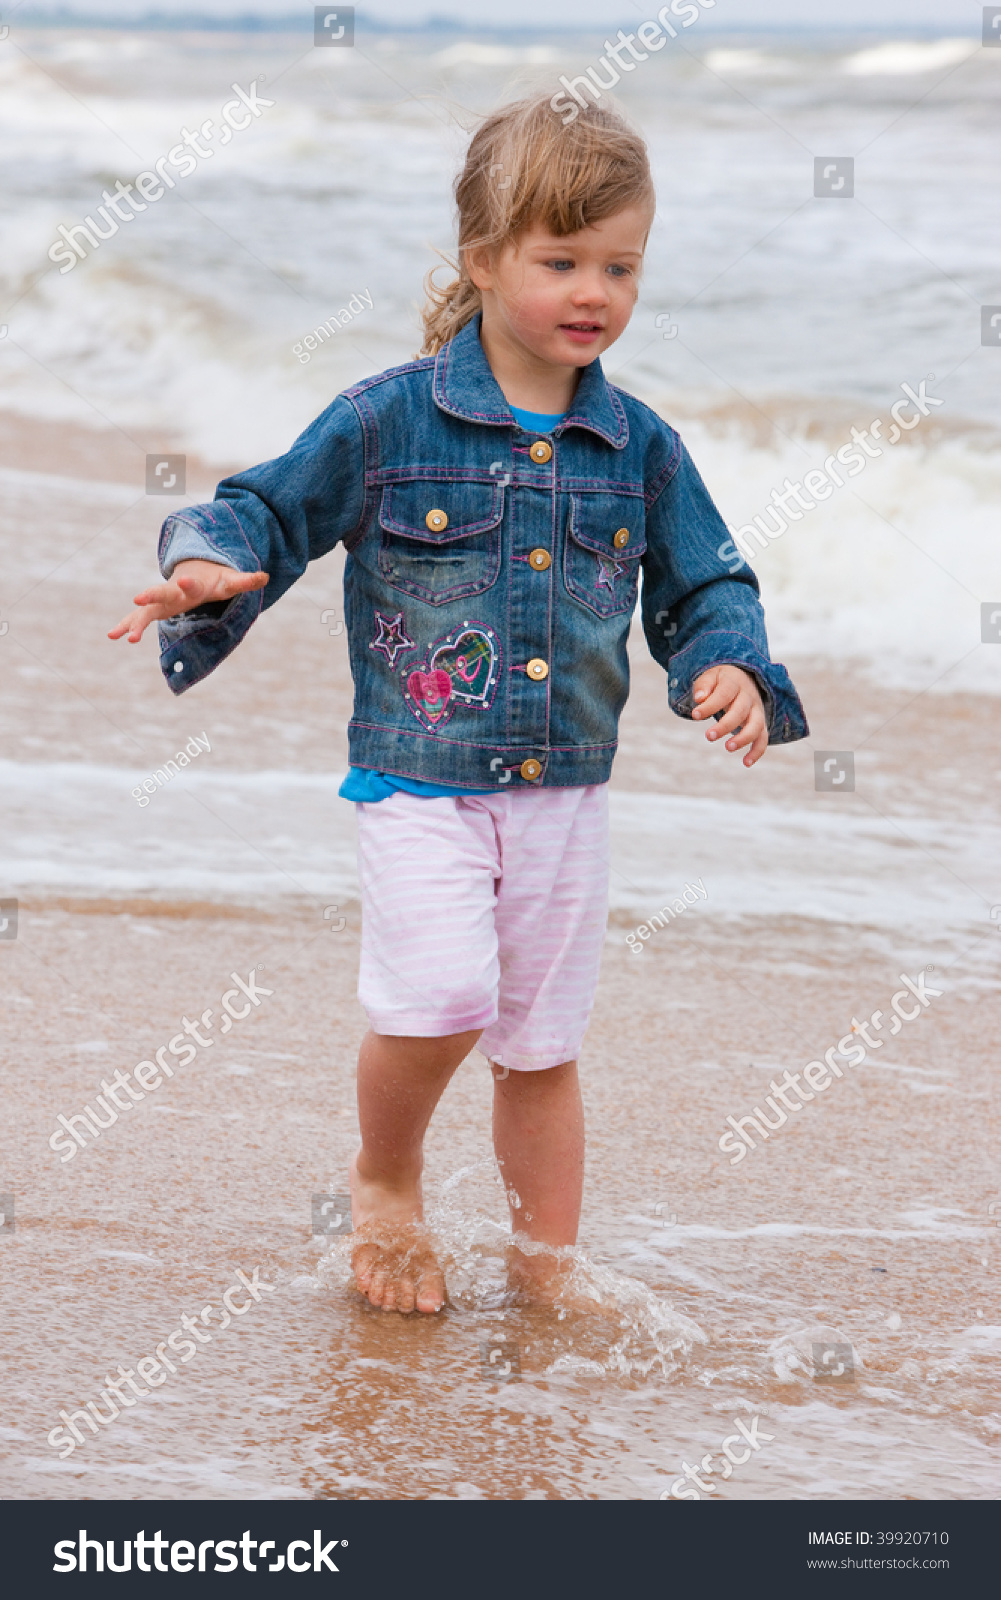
(608, 570)
(392, 637)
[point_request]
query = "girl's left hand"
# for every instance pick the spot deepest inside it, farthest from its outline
(734, 691)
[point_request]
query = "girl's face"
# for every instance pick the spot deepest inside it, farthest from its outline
(564, 300)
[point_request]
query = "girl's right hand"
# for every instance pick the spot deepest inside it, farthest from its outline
(194, 583)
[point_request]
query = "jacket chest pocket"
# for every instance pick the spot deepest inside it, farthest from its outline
(441, 541)
(606, 536)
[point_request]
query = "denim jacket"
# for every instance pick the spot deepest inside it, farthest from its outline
(491, 574)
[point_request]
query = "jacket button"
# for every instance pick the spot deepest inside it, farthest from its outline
(530, 769)
(541, 452)
(537, 669)
(540, 560)
(438, 522)
(621, 539)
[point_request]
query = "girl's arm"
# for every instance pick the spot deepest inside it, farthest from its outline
(699, 614)
(239, 554)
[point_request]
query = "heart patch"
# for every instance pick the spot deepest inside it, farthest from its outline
(462, 668)
(431, 691)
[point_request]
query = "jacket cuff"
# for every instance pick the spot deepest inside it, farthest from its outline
(786, 719)
(192, 645)
(195, 642)
(181, 542)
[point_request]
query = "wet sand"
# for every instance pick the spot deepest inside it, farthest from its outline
(864, 1222)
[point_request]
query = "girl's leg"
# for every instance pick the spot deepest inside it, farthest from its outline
(539, 1142)
(400, 1081)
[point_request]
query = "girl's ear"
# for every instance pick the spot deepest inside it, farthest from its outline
(478, 265)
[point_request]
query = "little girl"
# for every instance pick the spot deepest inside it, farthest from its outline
(497, 499)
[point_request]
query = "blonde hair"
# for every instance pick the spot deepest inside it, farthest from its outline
(524, 167)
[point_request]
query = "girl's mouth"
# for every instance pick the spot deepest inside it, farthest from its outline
(581, 332)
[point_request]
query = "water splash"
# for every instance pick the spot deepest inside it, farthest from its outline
(599, 1322)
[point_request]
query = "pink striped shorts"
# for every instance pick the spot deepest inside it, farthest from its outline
(485, 911)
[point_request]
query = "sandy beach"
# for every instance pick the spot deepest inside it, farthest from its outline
(864, 1222)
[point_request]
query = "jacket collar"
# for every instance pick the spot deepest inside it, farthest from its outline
(464, 386)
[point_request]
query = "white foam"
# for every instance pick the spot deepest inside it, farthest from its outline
(470, 53)
(891, 569)
(768, 860)
(688, 1233)
(226, 834)
(748, 64)
(76, 828)
(16, 479)
(908, 57)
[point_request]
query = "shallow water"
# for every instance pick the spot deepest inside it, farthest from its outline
(702, 1293)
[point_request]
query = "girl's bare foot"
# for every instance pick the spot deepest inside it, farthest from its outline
(539, 1276)
(393, 1260)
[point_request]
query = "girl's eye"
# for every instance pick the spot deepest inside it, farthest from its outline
(562, 266)
(619, 272)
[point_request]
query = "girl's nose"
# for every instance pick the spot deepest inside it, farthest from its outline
(591, 292)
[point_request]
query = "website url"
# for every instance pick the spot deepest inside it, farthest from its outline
(868, 1563)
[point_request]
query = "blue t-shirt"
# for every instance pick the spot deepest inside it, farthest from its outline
(364, 783)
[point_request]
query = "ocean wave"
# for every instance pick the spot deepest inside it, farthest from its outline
(104, 49)
(907, 58)
(892, 567)
(470, 54)
(762, 860)
(750, 64)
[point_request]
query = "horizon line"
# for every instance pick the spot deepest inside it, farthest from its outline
(300, 22)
